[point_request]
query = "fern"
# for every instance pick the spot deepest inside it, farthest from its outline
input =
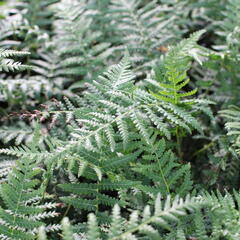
(101, 177)
(101, 174)
(116, 105)
(172, 75)
(147, 224)
(33, 12)
(226, 28)
(26, 28)
(141, 113)
(81, 53)
(21, 133)
(231, 214)
(67, 233)
(229, 28)
(90, 195)
(143, 28)
(118, 138)
(6, 166)
(160, 171)
(218, 220)
(8, 64)
(21, 210)
(233, 124)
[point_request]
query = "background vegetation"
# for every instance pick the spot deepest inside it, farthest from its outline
(119, 119)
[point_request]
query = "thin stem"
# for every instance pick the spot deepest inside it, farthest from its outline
(67, 210)
(163, 177)
(204, 148)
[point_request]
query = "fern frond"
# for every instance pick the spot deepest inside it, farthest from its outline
(143, 28)
(90, 196)
(81, 54)
(116, 107)
(233, 124)
(6, 167)
(162, 214)
(147, 224)
(21, 211)
(7, 65)
(6, 53)
(7, 134)
(67, 231)
(160, 171)
(172, 75)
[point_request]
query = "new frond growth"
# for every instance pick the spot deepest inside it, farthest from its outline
(172, 76)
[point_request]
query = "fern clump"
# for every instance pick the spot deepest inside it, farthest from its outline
(81, 53)
(22, 212)
(144, 29)
(145, 224)
(113, 126)
(207, 224)
(117, 105)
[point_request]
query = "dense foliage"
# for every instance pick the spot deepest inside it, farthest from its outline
(120, 119)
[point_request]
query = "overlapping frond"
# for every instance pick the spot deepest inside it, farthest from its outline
(22, 211)
(160, 171)
(171, 77)
(117, 107)
(81, 54)
(143, 28)
(146, 224)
